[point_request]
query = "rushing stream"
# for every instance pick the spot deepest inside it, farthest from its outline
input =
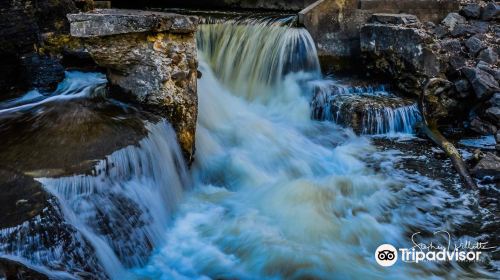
(272, 194)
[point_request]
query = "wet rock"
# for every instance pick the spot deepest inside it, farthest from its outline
(22, 198)
(482, 127)
(367, 114)
(474, 45)
(151, 58)
(489, 165)
(472, 10)
(483, 83)
(462, 86)
(10, 269)
(490, 11)
(399, 19)
(42, 72)
(488, 55)
(493, 114)
(452, 20)
(57, 139)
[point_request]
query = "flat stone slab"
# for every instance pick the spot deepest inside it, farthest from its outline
(399, 19)
(105, 22)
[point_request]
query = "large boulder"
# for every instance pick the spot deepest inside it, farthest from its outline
(400, 51)
(488, 166)
(150, 57)
(483, 83)
(490, 11)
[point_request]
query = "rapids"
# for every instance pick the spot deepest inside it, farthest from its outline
(272, 193)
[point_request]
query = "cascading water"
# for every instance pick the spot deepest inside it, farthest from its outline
(275, 195)
(369, 110)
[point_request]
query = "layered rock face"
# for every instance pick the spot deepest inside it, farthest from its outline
(335, 24)
(150, 57)
(463, 50)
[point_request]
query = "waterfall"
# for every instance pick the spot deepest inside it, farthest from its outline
(276, 48)
(109, 219)
(124, 206)
(272, 193)
(278, 195)
(367, 109)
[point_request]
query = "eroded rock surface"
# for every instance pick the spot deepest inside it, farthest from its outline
(463, 50)
(149, 56)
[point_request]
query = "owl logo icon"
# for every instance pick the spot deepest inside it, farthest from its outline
(386, 255)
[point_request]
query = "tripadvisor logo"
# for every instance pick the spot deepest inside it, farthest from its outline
(386, 255)
(463, 251)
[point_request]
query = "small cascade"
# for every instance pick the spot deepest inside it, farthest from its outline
(252, 56)
(123, 207)
(75, 85)
(367, 109)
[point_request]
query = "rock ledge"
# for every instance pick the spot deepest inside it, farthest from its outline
(104, 22)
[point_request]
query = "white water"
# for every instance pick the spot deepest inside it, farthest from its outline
(381, 113)
(279, 196)
(276, 195)
(75, 85)
(124, 207)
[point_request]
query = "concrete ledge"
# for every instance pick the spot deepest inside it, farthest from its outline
(105, 22)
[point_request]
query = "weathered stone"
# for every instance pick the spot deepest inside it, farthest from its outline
(490, 11)
(493, 113)
(488, 55)
(482, 127)
(398, 49)
(457, 61)
(482, 82)
(335, 25)
(474, 45)
(486, 67)
(489, 165)
(452, 20)
(107, 22)
(399, 19)
(452, 45)
(471, 10)
(150, 56)
(495, 100)
(440, 31)
(462, 86)
(470, 29)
